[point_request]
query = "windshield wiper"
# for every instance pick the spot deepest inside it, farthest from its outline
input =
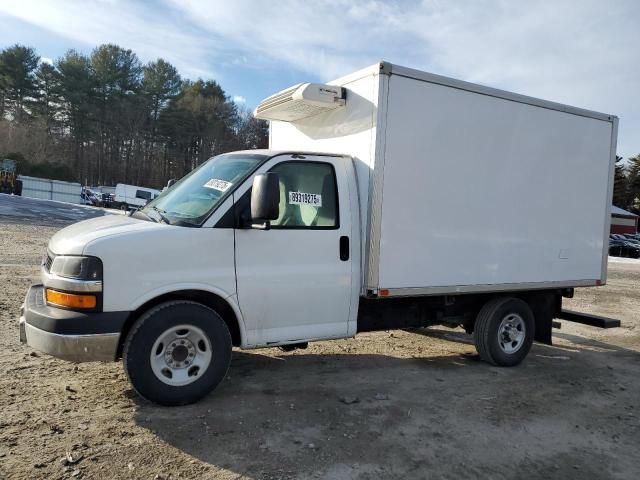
(160, 212)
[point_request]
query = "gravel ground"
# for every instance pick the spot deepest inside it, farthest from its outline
(383, 405)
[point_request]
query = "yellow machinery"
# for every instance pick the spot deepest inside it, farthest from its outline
(9, 182)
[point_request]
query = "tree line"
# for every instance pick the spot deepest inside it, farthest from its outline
(626, 187)
(106, 117)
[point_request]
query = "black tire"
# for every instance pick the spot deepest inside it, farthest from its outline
(124, 206)
(485, 334)
(150, 326)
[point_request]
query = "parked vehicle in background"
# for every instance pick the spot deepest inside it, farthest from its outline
(357, 219)
(631, 240)
(105, 195)
(620, 246)
(132, 196)
(90, 197)
(107, 200)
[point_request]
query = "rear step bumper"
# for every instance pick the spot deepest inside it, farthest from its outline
(588, 319)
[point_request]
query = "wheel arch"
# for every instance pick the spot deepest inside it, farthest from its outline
(222, 306)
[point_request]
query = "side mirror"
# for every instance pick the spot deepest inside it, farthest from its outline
(265, 198)
(171, 182)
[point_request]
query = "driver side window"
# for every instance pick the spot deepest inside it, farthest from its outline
(308, 196)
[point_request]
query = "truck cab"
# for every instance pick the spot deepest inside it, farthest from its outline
(251, 249)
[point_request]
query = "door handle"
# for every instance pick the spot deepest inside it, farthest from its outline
(344, 248)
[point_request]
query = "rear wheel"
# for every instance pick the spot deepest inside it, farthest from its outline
(124, 207)
(504, 331)
(177, 352)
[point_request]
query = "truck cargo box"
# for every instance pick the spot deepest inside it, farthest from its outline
(465, 188)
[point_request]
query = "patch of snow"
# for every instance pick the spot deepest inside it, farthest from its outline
(635, 261)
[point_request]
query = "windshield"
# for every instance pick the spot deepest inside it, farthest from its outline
(194, 197)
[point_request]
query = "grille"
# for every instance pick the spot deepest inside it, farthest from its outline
(47, 261)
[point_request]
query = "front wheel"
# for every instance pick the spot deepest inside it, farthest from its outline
(504, 331)
(177, 352)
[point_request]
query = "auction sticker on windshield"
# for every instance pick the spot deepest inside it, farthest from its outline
(301, 198)
(218, 184)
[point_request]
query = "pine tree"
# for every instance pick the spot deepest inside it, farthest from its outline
(117, 75)
(633, 183)
(160, 83)
(76, 90)
(17, 80)
(47, 100)
(620, 186)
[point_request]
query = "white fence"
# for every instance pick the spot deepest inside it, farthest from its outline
(50, 189)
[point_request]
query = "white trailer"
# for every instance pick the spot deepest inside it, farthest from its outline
(390, 198)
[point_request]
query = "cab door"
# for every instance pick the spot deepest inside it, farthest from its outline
(294, 280)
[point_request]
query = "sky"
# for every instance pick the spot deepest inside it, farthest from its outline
(584, 53)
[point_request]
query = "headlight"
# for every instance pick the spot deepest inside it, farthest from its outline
(78, 268)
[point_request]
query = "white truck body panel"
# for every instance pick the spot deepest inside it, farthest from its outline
(151, 250)
(205, 261)
(465, 188)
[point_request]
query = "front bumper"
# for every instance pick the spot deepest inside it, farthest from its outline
(69, 335)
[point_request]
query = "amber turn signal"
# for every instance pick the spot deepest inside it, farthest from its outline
(70, 300)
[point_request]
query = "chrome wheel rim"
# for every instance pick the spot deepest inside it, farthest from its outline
(511, 333)
(181, 355)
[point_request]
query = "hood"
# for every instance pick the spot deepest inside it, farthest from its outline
(73, 239)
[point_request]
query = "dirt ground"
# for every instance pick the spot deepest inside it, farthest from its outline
(382, 405)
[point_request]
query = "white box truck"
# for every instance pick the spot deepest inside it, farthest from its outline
(390, 198)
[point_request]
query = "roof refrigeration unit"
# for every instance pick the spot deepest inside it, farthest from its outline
(301, 101)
